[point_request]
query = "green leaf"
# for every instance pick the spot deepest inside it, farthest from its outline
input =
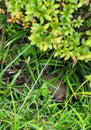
(44, 90)
(46, 26)
(88, 77)
(47, 17)
(88, 42)
(56, 6)
(88, 33)
(31, 50)
(80, 4)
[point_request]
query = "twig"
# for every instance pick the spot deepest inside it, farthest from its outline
(86, 15)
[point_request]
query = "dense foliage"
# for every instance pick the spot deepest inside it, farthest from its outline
(60, 25)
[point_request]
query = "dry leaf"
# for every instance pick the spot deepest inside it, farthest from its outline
(74, 61)
(86, 2)
(59, 91)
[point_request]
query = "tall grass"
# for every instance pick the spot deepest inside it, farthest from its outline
(22, 107)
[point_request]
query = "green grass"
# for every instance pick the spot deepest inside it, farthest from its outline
(29, 105)
(21, 106)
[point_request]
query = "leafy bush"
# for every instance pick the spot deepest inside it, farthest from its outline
(60, 25)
